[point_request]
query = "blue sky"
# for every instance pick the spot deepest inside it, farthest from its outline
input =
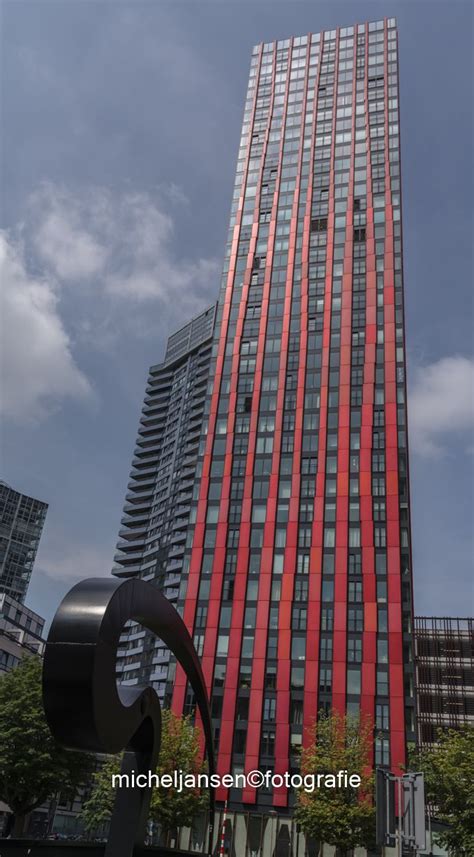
(121, 129)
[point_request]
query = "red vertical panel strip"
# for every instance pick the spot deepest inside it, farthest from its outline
(395, 634)
(315, 556)
(343, 464)
(367, 701)
(409, 630)
(210, 644)
(265, 580)
(243, 552)
(310, 700)
(283, 724)
(311, 678)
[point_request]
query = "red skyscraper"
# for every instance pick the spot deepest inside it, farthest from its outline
(297, 583)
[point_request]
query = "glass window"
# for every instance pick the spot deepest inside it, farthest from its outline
(219, 675)
(222, 644)
(354, 651)
(298, 648)
(329, 537)
(328, 590)
(247, 646)
(382, 651)
(328, 563)
(259, 513)
(212, 514)
(250, 617)
(382, 683)
(325, 679)
(269, 709)
(353, 681)
(278, 563)
(276, 590)
(382, 620)
(204, 588)
(354, 537)
(297, 678)
(224, 621)
(252, 590)
(382, 716)
(382, 751)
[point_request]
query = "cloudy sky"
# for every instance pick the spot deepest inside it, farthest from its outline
(121, 128)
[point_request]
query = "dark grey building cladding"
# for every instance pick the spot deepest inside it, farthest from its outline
(152, 537)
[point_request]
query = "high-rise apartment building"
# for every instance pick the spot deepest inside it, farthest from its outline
(21, 524)
(444, 658)
(152, 537)
(298, 581)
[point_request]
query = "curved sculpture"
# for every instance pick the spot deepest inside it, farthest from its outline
(87, 710)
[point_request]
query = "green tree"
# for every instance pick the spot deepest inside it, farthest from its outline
(33, 766)
(171, 808)
(180, 751)
(448, 767)
(97, 808)
(344, 817)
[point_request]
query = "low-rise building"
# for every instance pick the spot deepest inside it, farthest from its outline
(21, 632)
(444, 652)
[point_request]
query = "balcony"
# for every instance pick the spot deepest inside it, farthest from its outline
(176, 550)
(180, 523)
(127, 571)
(139, 520)
(142, 486)
(132, 534)
(144, 460)
(128, 558)
(138, 508)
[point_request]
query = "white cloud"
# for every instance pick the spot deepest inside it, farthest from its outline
(121, 243)
(71, 251)
(441, 405)
(77, 264)
(37, 368)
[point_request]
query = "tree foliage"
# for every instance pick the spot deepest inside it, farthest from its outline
(179, 750)
(97, 808)
(344, 817)
(448, 767)
(33, 766)
(171, 808)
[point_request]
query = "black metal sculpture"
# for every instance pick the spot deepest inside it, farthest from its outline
(87, 710)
